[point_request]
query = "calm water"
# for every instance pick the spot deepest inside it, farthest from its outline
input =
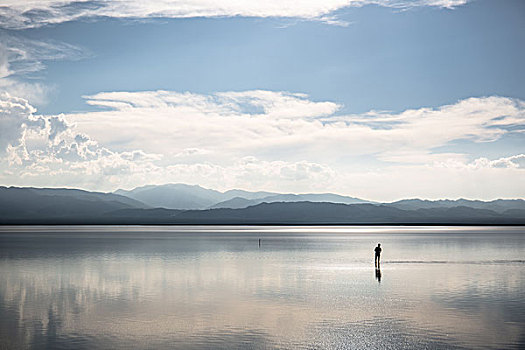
(307, 287)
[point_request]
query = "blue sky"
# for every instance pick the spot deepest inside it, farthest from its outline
(325, 79)
(384, 59)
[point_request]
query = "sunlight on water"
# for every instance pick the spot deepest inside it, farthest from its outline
(305, 287)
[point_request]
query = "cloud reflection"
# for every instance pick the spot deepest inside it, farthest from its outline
(206, 293)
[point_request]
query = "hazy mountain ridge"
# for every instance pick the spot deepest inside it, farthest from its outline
(498, 205)
(71, 206)
(182, 196)
(230, 194)
(238, 202)
(174, 196)
(323, 213)
(185, 197)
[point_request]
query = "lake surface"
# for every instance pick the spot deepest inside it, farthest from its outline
(303, 288)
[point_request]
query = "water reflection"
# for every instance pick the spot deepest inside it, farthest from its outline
(209, 290)
(378, 274)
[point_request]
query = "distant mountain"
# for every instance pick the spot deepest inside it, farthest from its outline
(311, 213)
(295, 213)
(28, 206)
(27, 202)
(499, 205)
(246, 194)
(181, 196)
(238, 202)
(175, 196)
(71, 206)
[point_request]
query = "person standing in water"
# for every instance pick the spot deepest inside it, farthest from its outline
(378, 254)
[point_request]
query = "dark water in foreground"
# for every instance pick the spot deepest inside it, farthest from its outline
(308, 287)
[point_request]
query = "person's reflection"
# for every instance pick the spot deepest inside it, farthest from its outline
(378, 274)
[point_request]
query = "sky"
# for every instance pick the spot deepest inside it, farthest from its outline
(377, 99)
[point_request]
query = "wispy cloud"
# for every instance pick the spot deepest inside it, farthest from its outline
(21, 58)
(15, 14)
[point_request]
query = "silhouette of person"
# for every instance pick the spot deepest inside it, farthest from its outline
(378, 275)
(378, 254)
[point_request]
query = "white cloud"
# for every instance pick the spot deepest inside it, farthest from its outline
(49, 150)
(17, 14)
(261, 140)
(226, 124)
(278, 105)
(14, 113)
(513, 162)
(289, 126)
(433, 182)
(37, 93)
(252, 173)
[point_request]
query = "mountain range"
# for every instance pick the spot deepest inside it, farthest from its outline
(27, 202)
(182, 196)
(185, 204)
